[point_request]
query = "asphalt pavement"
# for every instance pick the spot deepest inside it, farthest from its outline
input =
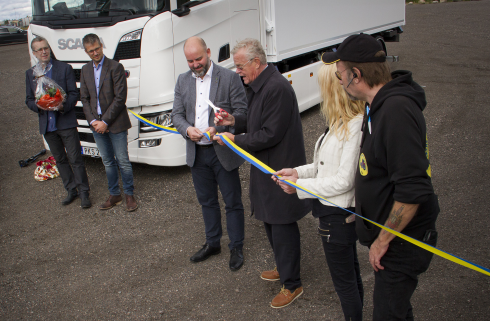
(66, 263)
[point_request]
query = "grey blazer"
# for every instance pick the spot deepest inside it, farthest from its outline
(226, 92)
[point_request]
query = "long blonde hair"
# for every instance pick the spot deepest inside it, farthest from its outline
(337, 108)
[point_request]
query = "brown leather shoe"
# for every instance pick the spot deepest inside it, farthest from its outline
(285, 297)
(270, 275)
(112, 201)
(131, 203)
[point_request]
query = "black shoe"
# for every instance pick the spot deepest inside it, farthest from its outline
(236, 259)
(85, 203)
(70, 197)
(204, 253)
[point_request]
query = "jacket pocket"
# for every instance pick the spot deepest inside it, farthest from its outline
(334, 229)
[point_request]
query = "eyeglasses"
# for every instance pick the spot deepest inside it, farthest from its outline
(338, 74)
(93, 50)
(241, 67)
(42, 49)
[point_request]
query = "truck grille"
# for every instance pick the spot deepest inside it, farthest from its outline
(79, 113)
(128, 50)
(77, 74)
(86, 137)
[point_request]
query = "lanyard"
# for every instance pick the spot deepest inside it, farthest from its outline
(369, 119)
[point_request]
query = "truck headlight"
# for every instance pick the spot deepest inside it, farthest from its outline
(135, 35)
(162, 118)
(150, 143)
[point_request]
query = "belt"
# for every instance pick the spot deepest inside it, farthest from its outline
(204, 146)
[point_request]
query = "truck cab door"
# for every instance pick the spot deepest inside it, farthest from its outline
(209, 20)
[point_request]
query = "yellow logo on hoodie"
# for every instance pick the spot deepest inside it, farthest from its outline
(363, 168)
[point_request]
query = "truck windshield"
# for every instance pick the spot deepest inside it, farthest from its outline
(76, 9)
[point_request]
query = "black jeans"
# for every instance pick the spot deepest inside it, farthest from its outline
(207, 175)
(70, 162)
(394, 286)
(285, 243)
(339, 244)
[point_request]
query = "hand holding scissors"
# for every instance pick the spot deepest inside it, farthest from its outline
(217, 111)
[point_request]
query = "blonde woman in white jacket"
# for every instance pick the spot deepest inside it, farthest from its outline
(331, 175)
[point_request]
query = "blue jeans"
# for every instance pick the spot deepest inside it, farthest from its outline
(113, 149)
(207, 175)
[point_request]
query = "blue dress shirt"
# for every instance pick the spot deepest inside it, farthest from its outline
(97, 72)
(51, 114)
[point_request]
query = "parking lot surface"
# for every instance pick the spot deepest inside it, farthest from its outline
(66, 263)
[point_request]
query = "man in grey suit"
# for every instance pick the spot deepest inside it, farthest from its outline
(103, 92)
(211, 165)
(59, 128)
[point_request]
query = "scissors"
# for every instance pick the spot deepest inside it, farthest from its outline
(216, 109)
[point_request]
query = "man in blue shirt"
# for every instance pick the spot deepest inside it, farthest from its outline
(103, 92)
(60, 127)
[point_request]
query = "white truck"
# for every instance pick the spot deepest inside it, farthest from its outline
(147, 36)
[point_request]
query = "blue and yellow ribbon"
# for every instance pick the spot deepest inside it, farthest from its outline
(207, 135)
(267, 170)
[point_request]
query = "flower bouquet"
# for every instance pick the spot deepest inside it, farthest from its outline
(49, 95)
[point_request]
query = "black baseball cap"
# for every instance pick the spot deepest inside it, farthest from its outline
(355, 48)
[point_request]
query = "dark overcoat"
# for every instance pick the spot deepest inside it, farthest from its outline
(275, 137)
(64, 76)
(112, 95)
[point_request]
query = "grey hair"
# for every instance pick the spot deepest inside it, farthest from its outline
(38, 39)
(90, 39)
(253, 50)
(201, 40)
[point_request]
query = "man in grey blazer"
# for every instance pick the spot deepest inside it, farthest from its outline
(103, 92)
(59, 128)
(211, 165)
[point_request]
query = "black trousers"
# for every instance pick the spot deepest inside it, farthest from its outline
(285, 243)
(394, 286)
(339, 244)
(67, 151)
(341, 255)
(208, 174)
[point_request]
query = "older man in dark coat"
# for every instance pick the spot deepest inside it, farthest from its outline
(275, 137)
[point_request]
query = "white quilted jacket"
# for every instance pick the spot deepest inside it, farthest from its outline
(332, 173)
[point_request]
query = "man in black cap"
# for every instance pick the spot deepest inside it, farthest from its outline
(393, 183)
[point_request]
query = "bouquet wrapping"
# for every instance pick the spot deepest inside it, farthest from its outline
(46, 169)
(49, 95)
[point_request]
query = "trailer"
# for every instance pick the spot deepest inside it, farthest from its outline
(147, 37)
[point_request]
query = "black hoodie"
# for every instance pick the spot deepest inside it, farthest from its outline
(393, 162)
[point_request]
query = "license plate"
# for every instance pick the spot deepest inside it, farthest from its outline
(90, 151)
